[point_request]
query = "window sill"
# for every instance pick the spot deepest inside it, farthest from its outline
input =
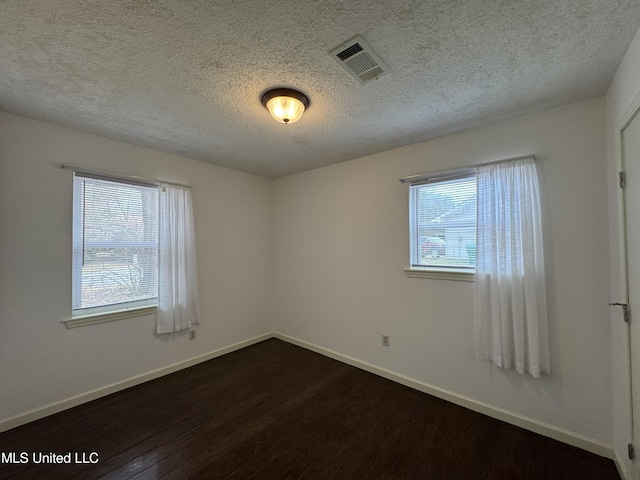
(109, 317)
(441, 274)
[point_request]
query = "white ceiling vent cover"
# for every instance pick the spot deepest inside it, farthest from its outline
(357, 58)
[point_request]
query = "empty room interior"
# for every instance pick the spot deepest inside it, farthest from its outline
(315, 187)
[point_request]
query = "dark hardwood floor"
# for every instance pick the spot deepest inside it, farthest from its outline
(276, 411)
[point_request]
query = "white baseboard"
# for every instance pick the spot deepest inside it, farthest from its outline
(548, 430)
(621, 466)
(56, 407)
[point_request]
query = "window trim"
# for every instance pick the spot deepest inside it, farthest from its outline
(115, 307)
(440, 274)
(104, 317)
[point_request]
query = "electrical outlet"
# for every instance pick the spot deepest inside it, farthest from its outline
(385, 340)
(192, 334)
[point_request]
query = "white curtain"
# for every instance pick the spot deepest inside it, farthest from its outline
(178, 300)
(510, 304)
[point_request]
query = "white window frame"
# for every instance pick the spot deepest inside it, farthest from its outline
(103, 313)
(441, 272)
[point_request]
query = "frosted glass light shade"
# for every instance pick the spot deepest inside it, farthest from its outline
(285, 105)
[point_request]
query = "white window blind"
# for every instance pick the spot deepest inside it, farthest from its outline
(115, 245)
(442, 212)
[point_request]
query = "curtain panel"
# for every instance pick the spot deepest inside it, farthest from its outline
(510, 303)
(178, 299)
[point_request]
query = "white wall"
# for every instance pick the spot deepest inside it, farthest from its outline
(42, 362)
(341, 243)
(622, 97)
(338, 246)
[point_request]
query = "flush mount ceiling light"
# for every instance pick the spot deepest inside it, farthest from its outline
(285, 105)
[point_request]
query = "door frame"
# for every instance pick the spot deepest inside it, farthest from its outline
(625, 466)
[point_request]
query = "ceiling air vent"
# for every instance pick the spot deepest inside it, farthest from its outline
(357, 58)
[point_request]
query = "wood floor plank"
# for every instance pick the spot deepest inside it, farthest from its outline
(276, 411)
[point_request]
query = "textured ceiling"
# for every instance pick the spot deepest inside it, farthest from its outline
(185, 76)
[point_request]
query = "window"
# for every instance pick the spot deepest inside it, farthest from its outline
(442, 219)
(484, 224)
(115, 245)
